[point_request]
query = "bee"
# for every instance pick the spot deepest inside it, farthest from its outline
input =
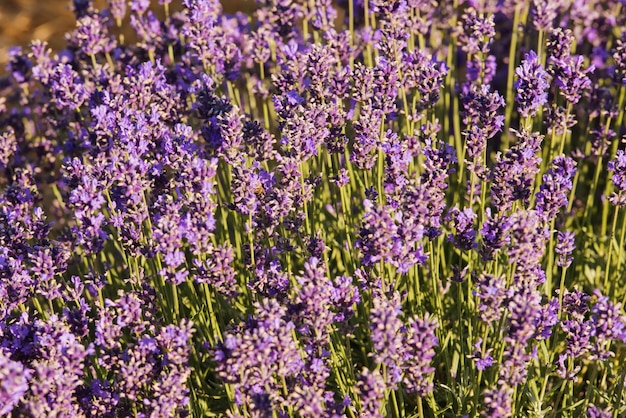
(259, 190)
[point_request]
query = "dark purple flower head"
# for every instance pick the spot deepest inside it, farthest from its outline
(483, 360)
(495, 234)
(387, 334)
(19, 65)
(419, 353)
(376, 235)
(531, 85)
(576, 303)
(482, 71)
(528, 235)
(67, 88)
(139, 6)
(258, 358)
(524, 305)
(8, 146)
(426, 75)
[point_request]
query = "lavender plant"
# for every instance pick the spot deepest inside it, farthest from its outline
(360, 208)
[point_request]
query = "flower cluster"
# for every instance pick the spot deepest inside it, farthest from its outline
(339, 209)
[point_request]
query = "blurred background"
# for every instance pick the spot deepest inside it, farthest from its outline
(24, 20)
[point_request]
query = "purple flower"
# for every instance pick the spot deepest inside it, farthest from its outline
(388, 336)
(482, 360)
(259, 357)
(476, 31)
(619, 56)
(559, 43)
(463, 222)
(564, 247)
(514, 173)
(571, 77)
(553, 193)
(498, 402)
(481, 117)
(422, 73)
(618, 167)
(609, 325)
(8, 146)
(491, 293)
(594, 411)
(544, 12)
(528, 235)
(117, 9)
(494, 233)
(531, 85)
(419, 353)
(14, 379)
(371, 390)
(67, 87)
(92, 35)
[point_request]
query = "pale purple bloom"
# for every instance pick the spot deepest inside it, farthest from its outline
(14, 379)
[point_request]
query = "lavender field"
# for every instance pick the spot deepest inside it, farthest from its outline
(316, 208)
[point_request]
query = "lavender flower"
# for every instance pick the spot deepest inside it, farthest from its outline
(388, 340)
(530, 86)
(560, 43)
(609, 324)
(91, 35)
(14, 377)
(476, 31)
(594, 411)
(67, 87)
(553, 192)
(463, 222)
(564, 247)
(619, 56)
(481, 118)
(514, 173)
(420, 351)
(544, 12)
(491, 292)
(618, 167)
(498, 402)
(571, 77)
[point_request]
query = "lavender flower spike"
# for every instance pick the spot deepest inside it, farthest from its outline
(531, 85)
